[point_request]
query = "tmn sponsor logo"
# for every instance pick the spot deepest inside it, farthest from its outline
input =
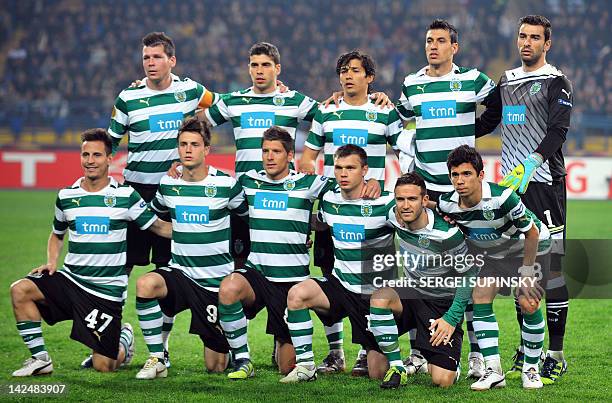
(349, 232)
(256, 120)
(271, 201)
(192, 214)
(514, 114)
(358, 137)
(165, 122)
(90, 225)
(483, 234)
(439, 109)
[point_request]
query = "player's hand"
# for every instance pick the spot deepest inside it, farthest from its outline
(381, 99)
(309, 243)
(335, 97)
(371, 190)
(282, 88)
(306, 168)
(47, 267)
(441, 332)
(135, 83)
(520, 176)
(448, 220)
(175, 171)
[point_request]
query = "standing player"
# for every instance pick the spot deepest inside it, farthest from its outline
(280, 204)
(151, 114)
(355, 120)
(514, 244)
(534, 104)
(435, 311)
(91, 287)
(199, 203)
(360, 232)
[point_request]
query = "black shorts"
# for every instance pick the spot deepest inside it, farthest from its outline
(241, 238)
(508, 268)
(96, 322)
(323, 253)
(273, 297)
(417, 312)
(141, 244)
(549, 204)
(184, 293)
(344, 303)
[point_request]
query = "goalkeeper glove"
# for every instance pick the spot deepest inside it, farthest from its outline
(520, 176)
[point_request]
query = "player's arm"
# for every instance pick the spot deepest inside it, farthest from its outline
(119, 123)
(314, 143)
(492, 115)
(560, 102)
(238, 201)
(55, 244)
(161, 228)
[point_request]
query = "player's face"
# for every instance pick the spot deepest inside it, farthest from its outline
(531, 44)
(263, 73)
(94, 160)
(465, 179)
(192, 151)
(353, 79)
(349, 172)
(410, 202)
(156, 63)
(275, 159)
(438, 47)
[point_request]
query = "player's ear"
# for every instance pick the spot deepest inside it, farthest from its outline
(481, 175)
(455, 48)
(425, 200)
(278, 69)
(172, 60)
(547, 45)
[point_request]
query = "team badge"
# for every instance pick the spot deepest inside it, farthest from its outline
(366, 209)
(455, 84)
(423, 241)
(289, 185)
(371, 115)
(278, 100)
(110, 200)
(488, 213)
(535, 88)
(210, 190)
(180, 96)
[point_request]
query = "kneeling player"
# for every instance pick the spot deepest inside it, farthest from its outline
(199, 203)
(516, 246)
(91, 287)
(280, 203)
(433, 250)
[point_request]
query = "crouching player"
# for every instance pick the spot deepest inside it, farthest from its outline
(432, 249)
(91, 287)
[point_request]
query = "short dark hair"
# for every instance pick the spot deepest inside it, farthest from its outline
(538, 20)
(366, 61)
(265, 48)
(98, 135)
(412, 178)
(447, 26)
(275, 133)
(351, 149)
(194, 125)
(159, 38)
(464, 154)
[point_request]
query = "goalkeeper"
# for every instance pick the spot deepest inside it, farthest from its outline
(534, 103)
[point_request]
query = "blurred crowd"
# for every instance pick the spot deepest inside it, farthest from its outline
(66, 60)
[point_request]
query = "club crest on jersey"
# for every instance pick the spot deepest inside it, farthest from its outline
(455, 84)
(289, 185)
(210, 190)
(488, 213)
(110, 200)
(371, 115)
(423, 241)
(180, 96)
(278, 100)
(535, 88)
(366, 209)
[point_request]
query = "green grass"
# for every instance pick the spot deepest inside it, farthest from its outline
(26, 219)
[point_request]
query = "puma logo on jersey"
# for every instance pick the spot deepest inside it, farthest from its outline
(95, 332)
(258, 183)
(176, 189)
(144, 101)
(421, 87)
(336, 207)
(337, 114)
(246, 100)
(77, 201)
(566, 92)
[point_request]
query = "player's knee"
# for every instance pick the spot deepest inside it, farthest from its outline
(376, 372)
(481, 295)
(229, 291)
(217, 366)
(103, 365)
(443, 380)
(145, 286)
(379, 299)
(296, 297)
(20, 291)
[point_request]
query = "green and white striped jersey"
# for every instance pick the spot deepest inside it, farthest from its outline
(436, 250)
(279, 222)
(97, 227)
(496, 224)
(151, 119)
(360, 231)
(444, 109)
(369, 126)
(200, 213)
(251, 114)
